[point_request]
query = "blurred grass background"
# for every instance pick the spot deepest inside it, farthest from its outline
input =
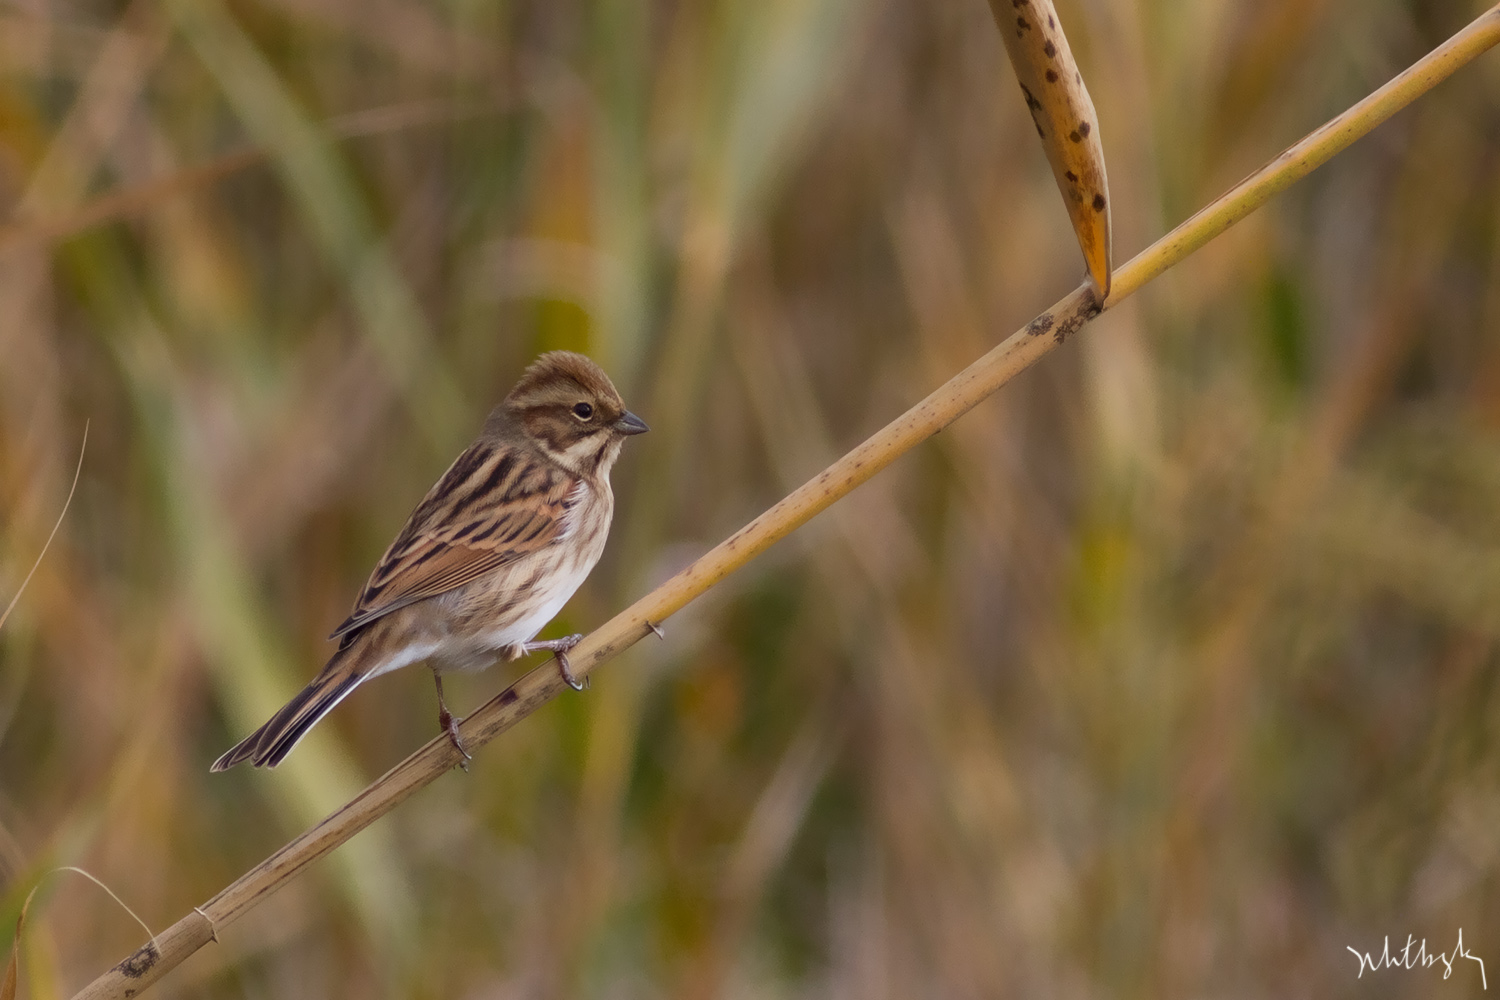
(1169, 671)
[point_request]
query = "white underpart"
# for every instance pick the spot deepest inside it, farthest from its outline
(574, 502)
(554, 594)
(555, 589)
(414, 652)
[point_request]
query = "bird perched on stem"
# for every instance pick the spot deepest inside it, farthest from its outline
(489, 556)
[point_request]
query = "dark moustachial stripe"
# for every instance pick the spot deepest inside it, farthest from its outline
(599, 454)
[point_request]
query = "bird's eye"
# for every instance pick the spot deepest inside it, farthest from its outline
(583, 411)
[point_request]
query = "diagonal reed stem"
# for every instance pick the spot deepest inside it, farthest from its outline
(950, 401)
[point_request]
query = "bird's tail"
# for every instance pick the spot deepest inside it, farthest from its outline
(269, 745)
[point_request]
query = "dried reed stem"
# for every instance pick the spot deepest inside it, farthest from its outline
(954, 398)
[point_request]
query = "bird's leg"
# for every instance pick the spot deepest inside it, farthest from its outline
(448, 723)
(559, 648)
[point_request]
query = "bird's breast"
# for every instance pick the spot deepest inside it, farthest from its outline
(514, 603)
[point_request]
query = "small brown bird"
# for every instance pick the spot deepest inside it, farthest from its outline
(489, 556)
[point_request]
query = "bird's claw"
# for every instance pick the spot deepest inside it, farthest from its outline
(655, 628)
(566, 670)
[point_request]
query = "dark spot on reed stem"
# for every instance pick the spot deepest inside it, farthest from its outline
(139, 963)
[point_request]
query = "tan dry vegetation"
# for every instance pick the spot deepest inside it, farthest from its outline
(1167, 671)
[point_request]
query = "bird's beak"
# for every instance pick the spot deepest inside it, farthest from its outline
(630, 424)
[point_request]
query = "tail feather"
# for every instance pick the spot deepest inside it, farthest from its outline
(269, 745)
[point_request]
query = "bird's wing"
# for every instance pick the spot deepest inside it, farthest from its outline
(493, 506)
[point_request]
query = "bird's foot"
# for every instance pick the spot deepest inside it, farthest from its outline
(562, 645)
(559, 648)
(449, 724)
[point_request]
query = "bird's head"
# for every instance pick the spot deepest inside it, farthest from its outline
(569, 407)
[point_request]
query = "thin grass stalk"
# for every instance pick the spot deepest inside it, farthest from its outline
(950, 401)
